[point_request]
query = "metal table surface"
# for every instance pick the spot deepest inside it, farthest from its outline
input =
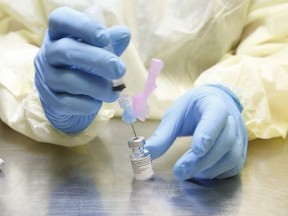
(97, 179)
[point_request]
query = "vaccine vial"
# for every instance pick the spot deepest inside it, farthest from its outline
(140, 159)
(2, 163)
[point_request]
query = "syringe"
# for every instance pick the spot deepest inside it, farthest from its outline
(118, 85)
(124, 102)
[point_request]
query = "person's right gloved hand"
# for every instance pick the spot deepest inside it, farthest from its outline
(74, 71)
(211, 114)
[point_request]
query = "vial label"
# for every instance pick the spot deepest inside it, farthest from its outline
(142, 168)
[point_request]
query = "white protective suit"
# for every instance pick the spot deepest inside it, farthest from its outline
(241, 44)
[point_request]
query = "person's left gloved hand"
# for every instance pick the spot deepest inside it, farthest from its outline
(211, 114)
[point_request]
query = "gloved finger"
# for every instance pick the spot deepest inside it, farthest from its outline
(234, 171)
(191, 164)
(120, 38)
(227, 163)
(64, 104)
(177, 121)
(77, 82)
(69, 52)
(212, 122)
(69, 124)
(67, 22)
(165, 134)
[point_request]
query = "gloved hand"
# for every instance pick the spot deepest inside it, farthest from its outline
(211, 114)
(74, 71)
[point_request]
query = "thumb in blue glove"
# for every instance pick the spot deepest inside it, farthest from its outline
(74, 71)
(211, 114)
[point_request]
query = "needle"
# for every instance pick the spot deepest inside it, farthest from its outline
(133, 130)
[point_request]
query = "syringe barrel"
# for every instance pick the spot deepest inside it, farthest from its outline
(124, 101)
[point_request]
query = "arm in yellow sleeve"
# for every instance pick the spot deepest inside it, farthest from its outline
(258, 72)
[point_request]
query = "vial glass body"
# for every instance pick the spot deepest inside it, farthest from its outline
(138, 153)
(140, 159)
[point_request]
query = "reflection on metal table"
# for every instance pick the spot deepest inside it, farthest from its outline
(97, 179)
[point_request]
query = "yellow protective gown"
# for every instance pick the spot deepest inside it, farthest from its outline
(241, 44)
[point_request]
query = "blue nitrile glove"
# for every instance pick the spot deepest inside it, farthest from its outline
(212, 115)
(74, 71)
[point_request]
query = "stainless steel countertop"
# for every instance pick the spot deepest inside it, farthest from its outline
(97, 179)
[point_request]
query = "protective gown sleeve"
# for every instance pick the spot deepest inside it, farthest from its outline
(258, 70)
(21, 33)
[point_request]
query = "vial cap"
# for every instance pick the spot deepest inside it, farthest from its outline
(138, 141)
